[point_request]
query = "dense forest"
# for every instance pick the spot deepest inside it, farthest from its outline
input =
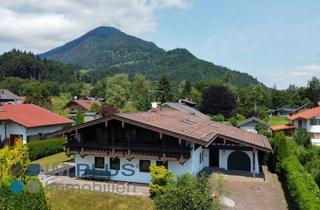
(50, 84)
(106, 51)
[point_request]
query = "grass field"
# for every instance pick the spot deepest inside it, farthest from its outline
(53, 160)
(278, 121)
(87, 200)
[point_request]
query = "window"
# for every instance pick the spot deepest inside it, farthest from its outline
(99, 162)
(115, 163)
(162, 163)
(144, 165)
(200, 158)
(314, 121)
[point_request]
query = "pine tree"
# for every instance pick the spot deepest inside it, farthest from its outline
(164, 89)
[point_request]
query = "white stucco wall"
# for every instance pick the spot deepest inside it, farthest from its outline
(192, 166)
(310, 129)
(16, 129)
(12, 128)
(224, 154)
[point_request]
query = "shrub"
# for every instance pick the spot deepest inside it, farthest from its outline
(45, 148)
(302, 138)
(187, 192)
(23, 200)
(280, 149)
(160, 178)
(217, 118)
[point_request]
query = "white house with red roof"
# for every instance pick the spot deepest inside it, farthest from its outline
(310, 121)
(27, 120)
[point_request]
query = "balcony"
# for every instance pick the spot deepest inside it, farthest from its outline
(146, 151)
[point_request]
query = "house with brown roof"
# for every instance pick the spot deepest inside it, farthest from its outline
(27, 121)
(310, 121)
(122, 146)
(84, 106)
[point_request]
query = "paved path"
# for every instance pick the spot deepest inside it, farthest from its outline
(65, 182)
(255, 193)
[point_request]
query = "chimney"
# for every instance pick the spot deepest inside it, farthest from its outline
(155, 107)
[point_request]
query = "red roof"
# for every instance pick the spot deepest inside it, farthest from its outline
(30, 115)
(310, 113)
(282, 127)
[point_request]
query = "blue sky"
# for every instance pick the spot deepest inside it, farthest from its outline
(278, 42)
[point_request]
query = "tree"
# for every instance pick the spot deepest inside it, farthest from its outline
(164, 89)
(313, 90)
(79, 118)
(187, 192)
(258, 97)
(86, 90)
(219, 100)
(58, 104)
(160, 179)
(195, 96)
(117, 90)
(280, 149)
(184, 89)
(140, 90)
(36, 93)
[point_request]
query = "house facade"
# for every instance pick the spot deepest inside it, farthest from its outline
(127, 144)
(308, 120)
(27, 121)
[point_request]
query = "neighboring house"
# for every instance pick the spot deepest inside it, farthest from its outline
(282, 112)
(126, 144)
(26, 121)
(310, 121)
(170, 106)
(7, 97)
(301, 109)
(84, 106)
(187, 102)
(288, 129)
(251, 124)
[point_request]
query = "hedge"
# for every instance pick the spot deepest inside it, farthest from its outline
(301, 185)
(302, 188)
(23, 200)
(43, 148)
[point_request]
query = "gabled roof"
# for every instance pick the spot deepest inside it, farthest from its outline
(310, 113)
(8, 95)
(285, 109)
(253, 119)
(305, 106)
(85, 103)
(282, 127)
(30, 115)
(186, 109)
(181, 125)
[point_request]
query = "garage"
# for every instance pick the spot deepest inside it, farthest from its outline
(239, 160)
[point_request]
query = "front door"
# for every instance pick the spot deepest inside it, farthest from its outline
(14, 139)
(214, 158)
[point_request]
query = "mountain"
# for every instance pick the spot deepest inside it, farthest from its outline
(106, 51)
(104, 47)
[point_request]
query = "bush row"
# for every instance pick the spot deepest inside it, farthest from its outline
(301, 186)
(45, 148)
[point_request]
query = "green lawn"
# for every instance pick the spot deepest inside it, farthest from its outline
(85, 200)
(53, 160)
(278, 120)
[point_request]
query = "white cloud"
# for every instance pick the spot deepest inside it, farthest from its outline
(39, 25)
(298, 76)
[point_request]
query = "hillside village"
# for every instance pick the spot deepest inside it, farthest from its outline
(129, 125)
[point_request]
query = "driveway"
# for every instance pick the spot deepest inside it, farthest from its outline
(255, 193)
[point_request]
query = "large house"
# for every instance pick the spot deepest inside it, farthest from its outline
(310, 121)
(126, 144)
(26, 121)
